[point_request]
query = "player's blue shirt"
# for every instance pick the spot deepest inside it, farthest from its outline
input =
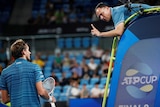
(121, 13)
(20, 80)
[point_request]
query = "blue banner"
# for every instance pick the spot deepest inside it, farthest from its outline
(135, 79)
(139, 75)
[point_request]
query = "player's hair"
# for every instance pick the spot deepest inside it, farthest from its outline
(100, 5)
(17, 47)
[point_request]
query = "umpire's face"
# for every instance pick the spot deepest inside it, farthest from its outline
(104, 13)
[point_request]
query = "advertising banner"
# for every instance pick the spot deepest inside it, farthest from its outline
(139, 76)
(135, 79)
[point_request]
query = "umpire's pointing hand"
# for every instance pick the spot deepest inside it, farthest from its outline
(95, 31)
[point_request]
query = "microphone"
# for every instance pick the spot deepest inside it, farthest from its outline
(141, 10)
(128, 5)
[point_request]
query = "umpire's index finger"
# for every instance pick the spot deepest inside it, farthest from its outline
(92, 26)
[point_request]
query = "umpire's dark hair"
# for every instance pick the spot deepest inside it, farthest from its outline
(17, 47)
(100, 5)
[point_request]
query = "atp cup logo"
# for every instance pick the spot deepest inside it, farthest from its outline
(139, 80)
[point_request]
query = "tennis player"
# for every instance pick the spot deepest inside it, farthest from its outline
(21, 82)
(118, 15)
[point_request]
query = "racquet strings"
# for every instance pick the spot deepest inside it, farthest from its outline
(49, 84)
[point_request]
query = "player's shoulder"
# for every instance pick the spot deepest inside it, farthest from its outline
(31, 64)
(8, 68)
(119, 7)
(28, 64)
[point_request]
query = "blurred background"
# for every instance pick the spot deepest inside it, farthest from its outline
(58, 32)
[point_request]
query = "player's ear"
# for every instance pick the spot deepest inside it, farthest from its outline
(23, 52)
(107, 7)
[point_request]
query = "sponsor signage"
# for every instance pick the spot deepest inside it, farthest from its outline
(139, 75)
(69, 28)
(135, 79)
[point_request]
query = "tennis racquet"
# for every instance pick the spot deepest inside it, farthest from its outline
(49, 85)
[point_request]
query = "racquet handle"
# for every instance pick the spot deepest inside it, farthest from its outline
(53, 105)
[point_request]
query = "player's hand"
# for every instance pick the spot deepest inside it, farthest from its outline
(53, 99)
(53, 102)
(95, 31)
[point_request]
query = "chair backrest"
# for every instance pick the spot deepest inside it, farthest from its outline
(103, 80)
(58, 75)
(93, 81)
(84, 81)
(94, 41)
(66, 88)
(58, 89)
(63, 97)
(86, 42)
(97, 61)
(60, 42)
(77, 42)
(68, 43)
